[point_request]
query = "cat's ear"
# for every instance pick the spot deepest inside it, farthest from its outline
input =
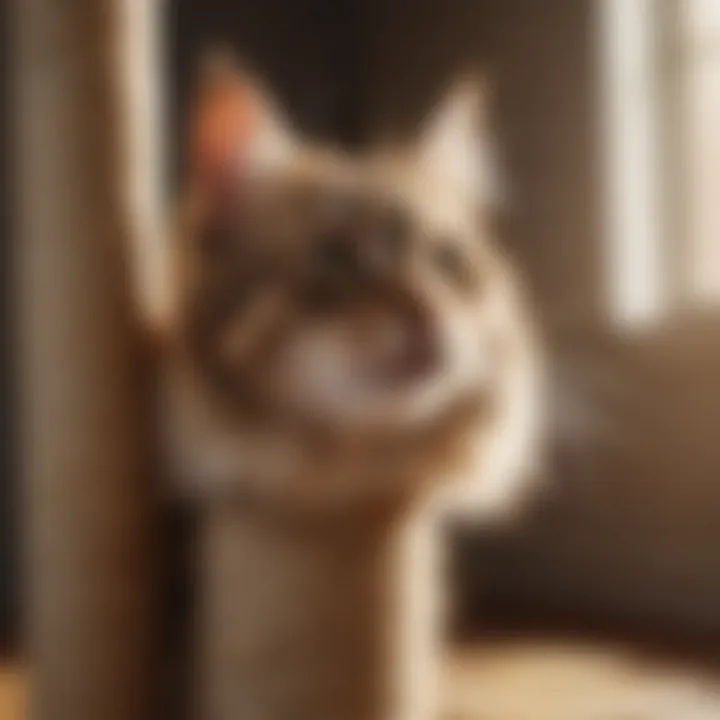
(455, 143)
(237, 131)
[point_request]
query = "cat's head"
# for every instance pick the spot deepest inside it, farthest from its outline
(355, 293)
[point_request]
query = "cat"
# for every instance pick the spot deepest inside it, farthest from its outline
(346, 341)
(344, 327)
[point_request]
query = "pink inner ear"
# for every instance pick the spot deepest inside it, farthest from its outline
(224, 124)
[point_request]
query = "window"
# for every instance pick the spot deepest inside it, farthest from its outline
(660, 63)
(700, 75)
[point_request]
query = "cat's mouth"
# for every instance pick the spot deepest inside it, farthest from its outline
(404, 353)
(399, 376)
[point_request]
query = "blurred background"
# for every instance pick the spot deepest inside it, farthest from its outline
(607, 117)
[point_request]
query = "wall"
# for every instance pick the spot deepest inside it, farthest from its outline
(631, 532)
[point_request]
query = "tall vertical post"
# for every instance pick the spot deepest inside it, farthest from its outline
(86, 486)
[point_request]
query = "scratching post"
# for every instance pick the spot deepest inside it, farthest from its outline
(317, 618)
(86, 489)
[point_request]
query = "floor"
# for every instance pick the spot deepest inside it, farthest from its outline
(541, 678)
(571, 679)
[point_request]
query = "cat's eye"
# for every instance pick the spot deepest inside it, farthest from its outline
(452, 260)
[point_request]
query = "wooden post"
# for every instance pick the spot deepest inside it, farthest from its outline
(318, 618)
(86, 488)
